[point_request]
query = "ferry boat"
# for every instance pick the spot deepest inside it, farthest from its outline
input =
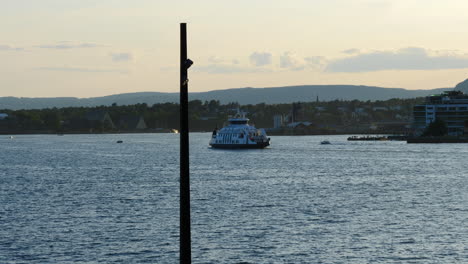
(239, 135)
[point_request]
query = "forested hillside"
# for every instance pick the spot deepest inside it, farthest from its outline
(204, 116)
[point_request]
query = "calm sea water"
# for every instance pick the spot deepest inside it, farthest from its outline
(86, 199)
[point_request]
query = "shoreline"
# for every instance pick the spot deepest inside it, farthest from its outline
(169, 132)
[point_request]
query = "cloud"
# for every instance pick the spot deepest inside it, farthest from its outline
(67, 45)
(260, 58)
(290, 60)
(84, 70)
(351, 51)
(124, 56)
(10, 48)
(316, 62)
(402, 59)
(215, 59)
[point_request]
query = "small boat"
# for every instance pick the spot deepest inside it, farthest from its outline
(119, 141)
(11, 137)
(325, 142)
(239, 135)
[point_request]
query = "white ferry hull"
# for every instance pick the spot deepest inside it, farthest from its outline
(258, 145)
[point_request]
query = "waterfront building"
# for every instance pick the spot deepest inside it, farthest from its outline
(379, 108)
(278, 121)
(450, 106)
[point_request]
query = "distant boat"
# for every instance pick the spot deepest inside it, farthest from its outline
(175, 131)
(325, 142)
(11, 137)
(119, 141)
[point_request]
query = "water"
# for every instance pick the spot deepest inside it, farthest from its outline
(86, 199)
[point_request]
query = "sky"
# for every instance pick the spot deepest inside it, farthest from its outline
(88, 48)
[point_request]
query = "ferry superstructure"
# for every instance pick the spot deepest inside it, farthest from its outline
(238, 134)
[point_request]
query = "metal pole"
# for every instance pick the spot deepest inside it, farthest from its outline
(185, 243)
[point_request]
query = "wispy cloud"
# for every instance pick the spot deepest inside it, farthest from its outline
(10, 48)
(315, 62)
(258, 64)
(215, 59)
(355, 60)
(260, 58)
(68, 45)
(402, 59)
(351, 51)
(124, 56)
(228, 69)
(220, 65)
(290, 60)
(83, 70)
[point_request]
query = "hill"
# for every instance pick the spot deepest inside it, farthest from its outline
(463, 86)
(272, 95)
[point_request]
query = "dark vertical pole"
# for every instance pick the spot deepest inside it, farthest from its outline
(185, 243)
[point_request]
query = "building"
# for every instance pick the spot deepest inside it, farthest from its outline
(300, 125)
(320, 108)
(301, 128)
(451, 107)
(379, 108)
(278, 121)
(343, 109)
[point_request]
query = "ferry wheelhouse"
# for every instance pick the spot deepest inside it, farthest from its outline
(239, 134)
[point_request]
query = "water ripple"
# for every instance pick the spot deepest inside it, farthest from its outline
(85, 199)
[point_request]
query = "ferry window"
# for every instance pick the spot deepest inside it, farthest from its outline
(452, 108)
(462, 108)
(238, 122)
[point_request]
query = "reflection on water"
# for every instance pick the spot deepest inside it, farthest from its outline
(84, 198)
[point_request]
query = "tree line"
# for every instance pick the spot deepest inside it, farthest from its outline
(204, 116)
